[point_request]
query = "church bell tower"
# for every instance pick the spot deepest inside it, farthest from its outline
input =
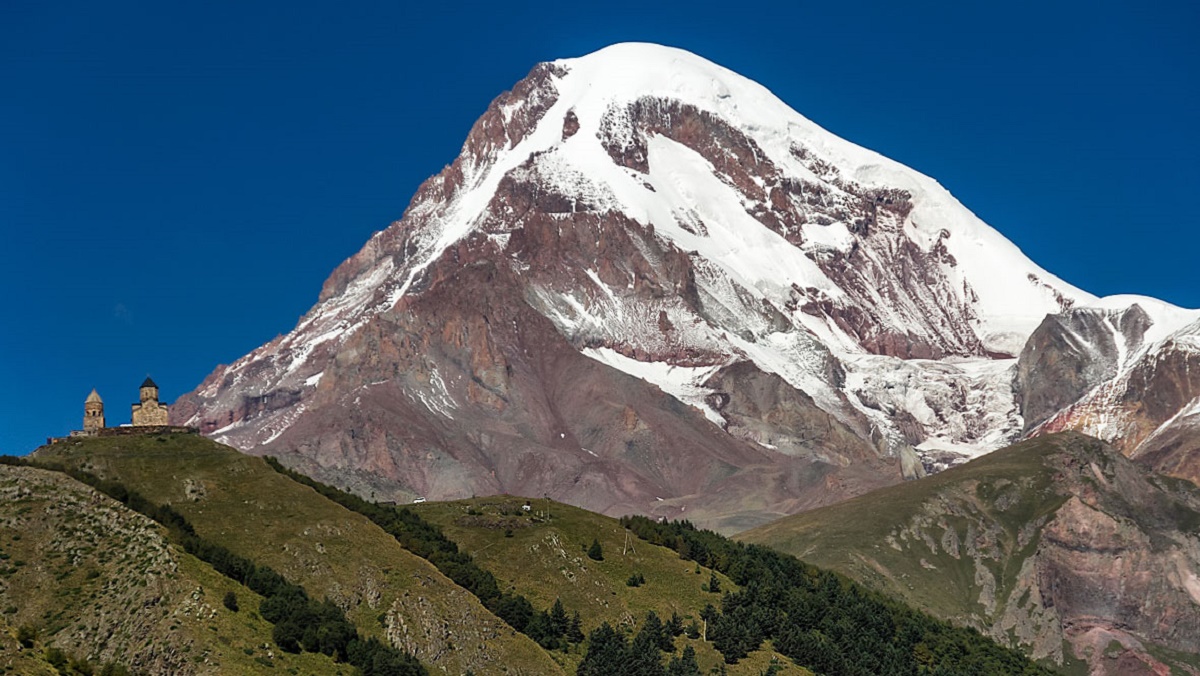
(93, 413)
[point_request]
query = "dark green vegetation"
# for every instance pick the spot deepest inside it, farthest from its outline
(588, 592)
(854, 630)
(300, 623)
(822, 620)
(549, 629)
(609, 652)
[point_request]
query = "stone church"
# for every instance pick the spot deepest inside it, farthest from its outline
(150, 416)
(148, 412)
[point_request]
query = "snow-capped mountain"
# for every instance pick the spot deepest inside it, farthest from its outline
(647, 284)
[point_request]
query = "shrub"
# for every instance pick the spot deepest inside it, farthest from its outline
(26, 635)
(595, 552)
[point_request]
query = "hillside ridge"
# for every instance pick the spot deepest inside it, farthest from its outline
(1058, 544)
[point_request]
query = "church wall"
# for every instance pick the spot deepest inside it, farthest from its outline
(149, 413)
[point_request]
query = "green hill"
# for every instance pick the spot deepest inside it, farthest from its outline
(238, 502)
(814, 617)
(1058, 545)
(542, 554)
(90, 580)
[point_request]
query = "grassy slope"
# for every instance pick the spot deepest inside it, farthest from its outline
(860, 537)
(545, 560)
(237, 501)
(15, 659)
(99, 581)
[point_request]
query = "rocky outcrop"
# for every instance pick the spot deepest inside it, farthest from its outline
(762, 408)
(1072, 352)
(101, 583)
(1148, 408)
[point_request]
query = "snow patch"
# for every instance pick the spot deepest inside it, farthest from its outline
(437, 399)
(681, 382)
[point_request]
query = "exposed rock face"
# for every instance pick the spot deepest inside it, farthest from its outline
(1071, 353)
(763, 408)
(1147, 403)
(1055, 539)
(647, 285)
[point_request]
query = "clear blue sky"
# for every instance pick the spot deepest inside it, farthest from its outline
(177, 179)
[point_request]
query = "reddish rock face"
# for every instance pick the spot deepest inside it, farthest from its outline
(1071, 353)
(1117, 558)
(881, 266)
(508, 404)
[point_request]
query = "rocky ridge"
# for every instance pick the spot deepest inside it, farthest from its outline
(1117, 375)
(1060, 546)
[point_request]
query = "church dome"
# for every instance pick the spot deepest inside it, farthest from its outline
(93, 398)
(149, 383)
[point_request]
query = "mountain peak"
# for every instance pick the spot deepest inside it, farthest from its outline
(641, 223)
(634, 70)
(583, 134)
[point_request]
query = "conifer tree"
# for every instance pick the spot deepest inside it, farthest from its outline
(594, 552)
(558, 619)
(606, 653)
(539, 629)
(575, 630)
(685, 665)
(674, 626)
(654, 628)
(642, 658)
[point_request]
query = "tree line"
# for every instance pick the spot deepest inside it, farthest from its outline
(609, 654)
(822, 620)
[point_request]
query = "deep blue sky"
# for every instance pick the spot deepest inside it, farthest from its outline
(176, 183)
